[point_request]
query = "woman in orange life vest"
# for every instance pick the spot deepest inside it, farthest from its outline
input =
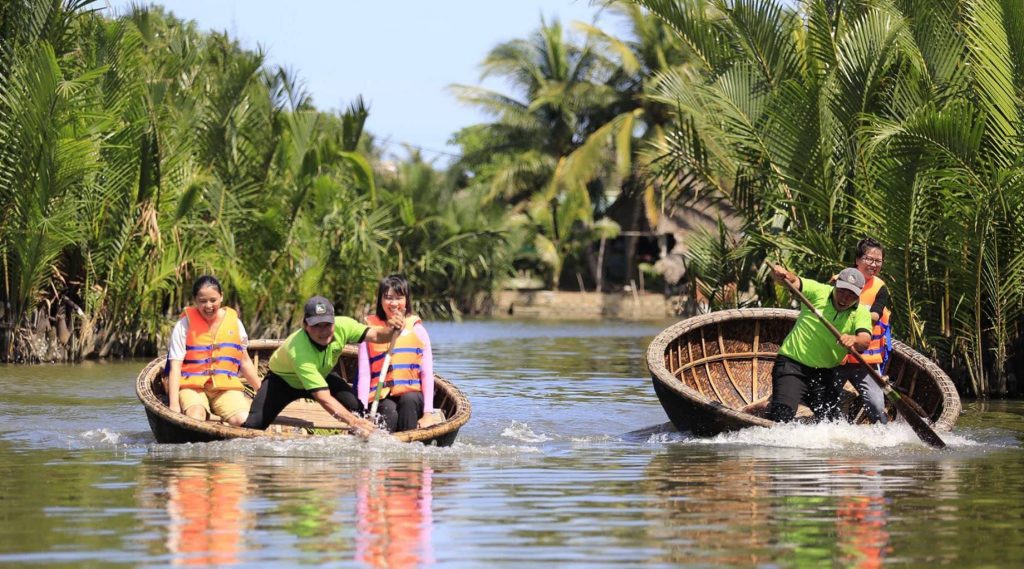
(206, 356)
(407, 396)
(876, 297)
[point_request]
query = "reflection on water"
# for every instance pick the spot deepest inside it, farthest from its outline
(566, 462)
(861, 518)
(744, 510)
(379, 516)
(207, 517)
(394, 517)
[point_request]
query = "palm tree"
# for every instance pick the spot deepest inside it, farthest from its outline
(51, 137)
(526, 157)
(448, 240)
(636, 120)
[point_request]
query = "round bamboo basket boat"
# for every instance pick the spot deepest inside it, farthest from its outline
(713, 373)
(300, 419)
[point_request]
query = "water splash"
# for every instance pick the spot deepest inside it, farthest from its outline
(819, 436)
(102, 437)
(522, 432)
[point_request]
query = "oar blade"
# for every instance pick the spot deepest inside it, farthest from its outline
(923, 431)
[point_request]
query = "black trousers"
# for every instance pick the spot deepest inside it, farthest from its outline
(793, 383)
(401, 413)
(275, 394)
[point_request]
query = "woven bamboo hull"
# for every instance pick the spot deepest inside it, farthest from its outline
(712, 373)
(301, 419)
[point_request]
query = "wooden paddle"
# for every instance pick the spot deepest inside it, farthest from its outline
(383, 375)
(921, 429)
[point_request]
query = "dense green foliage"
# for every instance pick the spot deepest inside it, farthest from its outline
(900, 119)
(138, 153)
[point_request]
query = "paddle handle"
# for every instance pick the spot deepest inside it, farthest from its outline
(385, 366)
(916, 422)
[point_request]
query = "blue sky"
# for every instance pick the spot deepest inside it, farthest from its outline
(400, 55)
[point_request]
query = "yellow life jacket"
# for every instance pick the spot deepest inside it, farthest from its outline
(404, 373)
(212, 359)
(881, 335)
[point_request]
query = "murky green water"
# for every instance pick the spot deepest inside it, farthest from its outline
(563, 464)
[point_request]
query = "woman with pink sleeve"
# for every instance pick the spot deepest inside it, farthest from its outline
(407, 392)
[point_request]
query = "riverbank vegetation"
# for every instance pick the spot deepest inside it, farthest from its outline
(138, 152)
(901, 119)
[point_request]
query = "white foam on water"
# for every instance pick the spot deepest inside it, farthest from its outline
(819, 436)
(522, 432)
(593, 440)
(102, 436)
(665, 438)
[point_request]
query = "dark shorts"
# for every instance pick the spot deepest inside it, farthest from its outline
(794, 383)
(275, 394)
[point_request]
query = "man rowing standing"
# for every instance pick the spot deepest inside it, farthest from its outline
(805, 366)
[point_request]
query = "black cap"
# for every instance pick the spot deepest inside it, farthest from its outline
(318, 311)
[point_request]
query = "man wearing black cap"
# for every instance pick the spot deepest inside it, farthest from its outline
(302, 366)
(804, 367)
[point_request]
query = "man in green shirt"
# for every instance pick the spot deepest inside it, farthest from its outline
(805, 367)
(302, 366)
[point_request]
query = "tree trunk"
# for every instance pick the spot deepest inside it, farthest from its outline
(631, 239)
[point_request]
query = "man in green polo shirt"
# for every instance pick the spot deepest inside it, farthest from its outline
(805, 366)
(302, 366)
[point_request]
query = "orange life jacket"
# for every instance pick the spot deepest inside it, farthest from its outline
(881, 335)
(212, 359)
(404, 373)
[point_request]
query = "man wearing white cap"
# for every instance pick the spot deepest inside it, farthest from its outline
(805, 366)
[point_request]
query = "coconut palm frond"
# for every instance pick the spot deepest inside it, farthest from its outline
(993, 70)
(621, 50)
(765, 29)
(702, 26)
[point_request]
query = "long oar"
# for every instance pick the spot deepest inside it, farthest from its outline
(923, 431)
(383, 375)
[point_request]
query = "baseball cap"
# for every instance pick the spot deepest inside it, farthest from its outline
(318, 311)
(851, 279)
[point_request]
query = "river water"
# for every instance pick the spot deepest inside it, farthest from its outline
(566, 462)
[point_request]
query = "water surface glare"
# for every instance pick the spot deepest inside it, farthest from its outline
(566, 462)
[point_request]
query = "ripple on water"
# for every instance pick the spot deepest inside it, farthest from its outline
(549, 471)
(343, 448)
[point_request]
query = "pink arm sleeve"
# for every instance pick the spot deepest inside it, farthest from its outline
(363, 389)
(426, 369)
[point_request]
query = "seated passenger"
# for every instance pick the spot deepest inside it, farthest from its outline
(206, 355)
(406, 396)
